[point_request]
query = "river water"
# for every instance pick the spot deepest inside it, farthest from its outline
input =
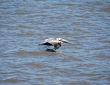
(25, 23)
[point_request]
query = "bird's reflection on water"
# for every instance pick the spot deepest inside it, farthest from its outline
(50, 50)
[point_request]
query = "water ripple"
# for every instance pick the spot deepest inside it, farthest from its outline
(25, 23)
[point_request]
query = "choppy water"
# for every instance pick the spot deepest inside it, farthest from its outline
(25, 23)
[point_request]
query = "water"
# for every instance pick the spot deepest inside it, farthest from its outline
(25, 23)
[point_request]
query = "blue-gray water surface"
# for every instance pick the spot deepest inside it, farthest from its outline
(25, 23)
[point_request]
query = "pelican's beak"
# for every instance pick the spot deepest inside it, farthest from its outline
(66, 41)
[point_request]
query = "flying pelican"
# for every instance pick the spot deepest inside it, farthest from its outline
(56, 42)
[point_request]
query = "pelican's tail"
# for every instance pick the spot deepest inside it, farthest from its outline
(42, 43)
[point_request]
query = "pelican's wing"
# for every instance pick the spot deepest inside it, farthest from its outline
(45, 43)
(53, 42)
(48, 42)
(49, 39)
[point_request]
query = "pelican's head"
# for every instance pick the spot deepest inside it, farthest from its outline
(63, 40)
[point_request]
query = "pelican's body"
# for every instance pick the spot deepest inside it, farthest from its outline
(56, 42)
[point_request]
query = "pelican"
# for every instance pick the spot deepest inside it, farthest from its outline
(56, 42)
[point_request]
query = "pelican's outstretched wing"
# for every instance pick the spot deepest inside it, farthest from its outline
(48, 42)
(54, 42)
